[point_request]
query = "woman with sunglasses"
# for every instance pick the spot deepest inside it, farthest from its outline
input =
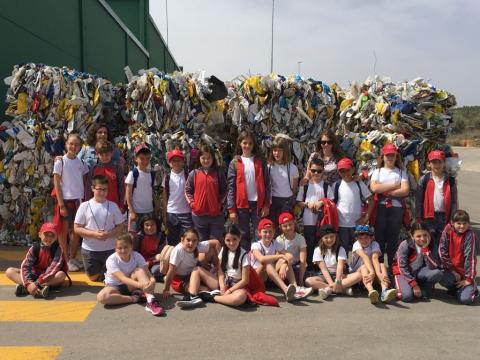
(329, 151)
(390, 185)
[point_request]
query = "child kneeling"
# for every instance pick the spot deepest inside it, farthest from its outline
(366, 255)
(331, 259)
(43, 266)
(128, 279)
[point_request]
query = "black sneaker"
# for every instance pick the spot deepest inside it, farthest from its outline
(45, 291)
(206, 296)
(190, 301)
(20, 290)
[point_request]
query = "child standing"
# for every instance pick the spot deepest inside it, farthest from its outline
(436, 196)
(205, 191)
(284, 177)
(233, 271)
(331, 259)
(294, 244)
(184, 275)
(458, 257)
(248, 198)
(309, 199)
(43, 266)
(112, 170)
(99, 221)
(68, 180)
(128, 279)
(416, 265)
(151, 244)
(389, 182)
(349, 196)
(139, 188)
(270, 260)
(366, 256)
(177, 212)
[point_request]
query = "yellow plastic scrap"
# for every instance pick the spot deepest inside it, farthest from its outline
(1, 166)
(254, 83)
(61, 108)
(190, 88)
(414, 168)
(22, 103)
(382, 108)
(394, 117)
(330, 111)
(43, 102)
(31, 170)
(96, 97)
(70, 112)
(311, 113)
(365, 146)
(40, 139)
(438, 109)
(345, 103)
(441, 94)
(163, 86)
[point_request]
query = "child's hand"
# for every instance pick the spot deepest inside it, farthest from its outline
(283, 271)
(370, 277)
(417, 292)
(337, 288)
(166, 294)
(58, 158)
(63, 210)
(222, 289)
(133, 215)
(32, 289)
(233, 217)
(386, 279)
(318, 205)
(264, 212)
(101, 234)
(463, 283)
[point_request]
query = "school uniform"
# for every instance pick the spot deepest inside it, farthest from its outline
(205, 191)
(330, 259)
(435, 202)
(414, 266)
(179, 214)
(457, 253)
(249, 191)
(282, 178)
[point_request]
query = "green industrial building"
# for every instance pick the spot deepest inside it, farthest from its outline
(94, 36)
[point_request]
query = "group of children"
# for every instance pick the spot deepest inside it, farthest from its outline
(207, 262)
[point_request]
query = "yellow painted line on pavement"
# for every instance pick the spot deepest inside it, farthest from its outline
(29, 352)
(78, 278)
(45, 311)
(13, 255)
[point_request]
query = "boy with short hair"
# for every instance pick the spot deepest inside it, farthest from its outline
(43, 266)
(349, 194)
(112, 170)
(99, 221)
(139, 188)
(458, 257)
(177, 212)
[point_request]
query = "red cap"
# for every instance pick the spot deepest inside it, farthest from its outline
(389, 149)
(265, 224)
(142, 148)
(48, 227)
(285, 217)
(345, 163)
(175, 153)
(436, 155)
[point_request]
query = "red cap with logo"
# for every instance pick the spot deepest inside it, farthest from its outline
(265, 224)
(389, 149)
(175, 153)
(436, 155)
(345, 163)
(142, 148)
(285, 217)
(48, 227)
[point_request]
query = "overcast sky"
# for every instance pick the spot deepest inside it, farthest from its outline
(335, 40)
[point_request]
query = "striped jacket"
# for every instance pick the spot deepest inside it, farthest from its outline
(41, 263)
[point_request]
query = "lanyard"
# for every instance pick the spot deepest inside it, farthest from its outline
(106, 217)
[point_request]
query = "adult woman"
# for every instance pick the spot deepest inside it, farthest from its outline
(97, 132)
(330, 152)
(389, 183)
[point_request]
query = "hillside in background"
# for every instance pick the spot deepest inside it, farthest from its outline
(466, 126)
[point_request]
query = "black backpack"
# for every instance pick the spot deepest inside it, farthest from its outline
(167, 181)
(136, 174)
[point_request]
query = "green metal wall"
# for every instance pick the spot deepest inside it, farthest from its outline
(94, 36)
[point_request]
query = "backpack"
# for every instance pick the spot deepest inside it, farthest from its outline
(362, 199)
(53, 250)
(136, 174)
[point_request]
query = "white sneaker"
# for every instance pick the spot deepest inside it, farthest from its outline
(303, 292)
(324, 293)
(77, 262)
(348, 291)
(72, 266)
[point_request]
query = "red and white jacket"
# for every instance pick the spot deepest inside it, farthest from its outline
(205, 191)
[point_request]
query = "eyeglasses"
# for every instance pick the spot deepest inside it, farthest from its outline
(101, 189)
(363, 228)
(325, 142)
(316, 171)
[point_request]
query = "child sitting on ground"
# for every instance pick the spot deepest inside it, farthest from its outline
(43, 266)
(366, 255)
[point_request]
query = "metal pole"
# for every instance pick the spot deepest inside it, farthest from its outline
(271, 53)
(299, 63)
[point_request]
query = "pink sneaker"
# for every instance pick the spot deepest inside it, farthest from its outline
(154, 307)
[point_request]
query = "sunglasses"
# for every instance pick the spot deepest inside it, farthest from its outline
(325, 142)
(363, 229)
(316, 171)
